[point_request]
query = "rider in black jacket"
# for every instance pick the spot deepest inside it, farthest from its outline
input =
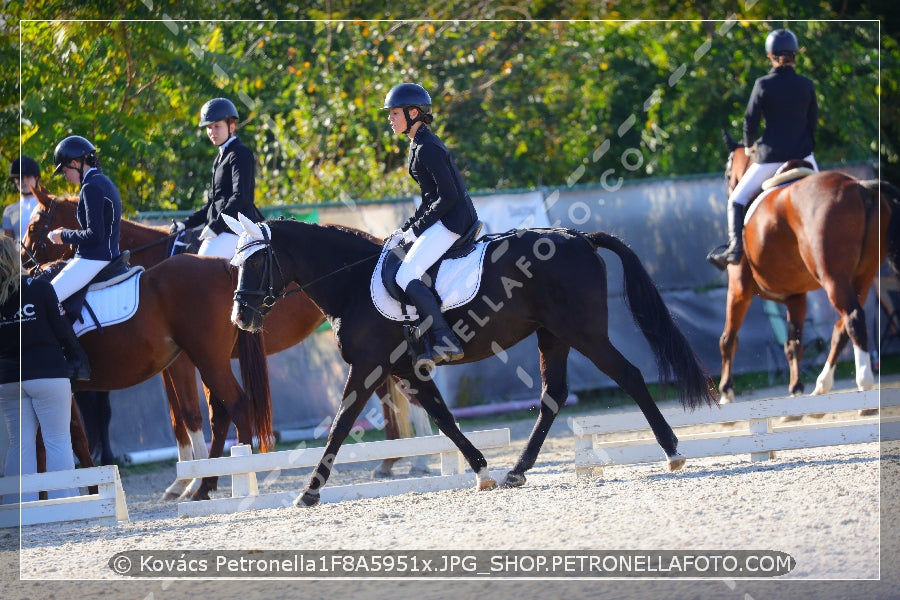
(99, 213)
(787, 103)
(446, 211)
(233, 182)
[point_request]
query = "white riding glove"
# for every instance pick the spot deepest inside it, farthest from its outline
(408, 236)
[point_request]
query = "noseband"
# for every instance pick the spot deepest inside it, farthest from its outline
(270, 296)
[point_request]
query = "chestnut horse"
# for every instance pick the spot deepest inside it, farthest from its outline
(827, 230)
(184, 307)
(293, 321)
(548, 281)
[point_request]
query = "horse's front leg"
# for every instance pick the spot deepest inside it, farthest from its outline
(356, 393)
(736, 304)
(793, 346)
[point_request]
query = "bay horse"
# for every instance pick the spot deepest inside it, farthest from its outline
(549, 281)
(294, 320)
(184, 306)
(828, 230)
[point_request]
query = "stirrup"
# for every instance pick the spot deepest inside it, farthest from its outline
(447, 348)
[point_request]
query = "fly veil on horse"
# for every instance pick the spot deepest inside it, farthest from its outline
(826, 230)
(551, 282)
(163, 326)
(291, 322)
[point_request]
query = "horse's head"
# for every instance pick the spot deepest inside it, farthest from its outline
(739, 160)
(260, 280)
(52, 212)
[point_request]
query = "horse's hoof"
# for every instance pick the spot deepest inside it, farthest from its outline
(170, 496)
(514, 480)
(419, 471)
(868, 412)
(675, 462)
(307, 498)
(381, 474)
(199, 496)
(486, 484)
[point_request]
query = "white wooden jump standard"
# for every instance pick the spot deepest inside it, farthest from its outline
(107, 505)
(243, 467)
(760, 440)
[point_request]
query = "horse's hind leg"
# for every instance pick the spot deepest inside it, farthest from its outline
(554, 354)
(609, 360)
(180, 380)
(793, 346)
(852, 326)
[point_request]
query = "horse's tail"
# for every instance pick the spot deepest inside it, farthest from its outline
(675, 358)
(892, 193)
(255, 378)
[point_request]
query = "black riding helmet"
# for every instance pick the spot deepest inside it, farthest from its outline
(406, 96)
(217, 109)
(780, 42)
(23, 167)
(71, 148)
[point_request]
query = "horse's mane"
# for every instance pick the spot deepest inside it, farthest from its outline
(357, 233)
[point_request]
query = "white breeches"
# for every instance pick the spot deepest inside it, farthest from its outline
(425, 251)
(753, 179)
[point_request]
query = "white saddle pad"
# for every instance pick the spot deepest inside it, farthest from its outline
(112, 301)
(756, 203)
(458, 282)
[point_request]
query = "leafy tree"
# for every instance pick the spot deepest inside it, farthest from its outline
(534, 100)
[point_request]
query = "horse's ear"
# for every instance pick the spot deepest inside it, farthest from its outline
(42, 194)
(250, 227)
(233, 224)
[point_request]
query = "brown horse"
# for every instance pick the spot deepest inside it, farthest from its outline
(828, 230)
(289, 323)
(127, 353)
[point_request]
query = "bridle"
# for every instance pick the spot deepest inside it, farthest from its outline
(269, 295)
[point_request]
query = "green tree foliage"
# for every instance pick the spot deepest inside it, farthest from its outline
(544, 98)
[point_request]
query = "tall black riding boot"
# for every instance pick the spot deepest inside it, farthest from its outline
(446, 347)
(79, 365)
(735, 250)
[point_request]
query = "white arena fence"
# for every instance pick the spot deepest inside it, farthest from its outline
(243, 467)
(625, 439)
(107, 505)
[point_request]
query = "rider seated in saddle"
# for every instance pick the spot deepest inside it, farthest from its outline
(787, 102)
(233, 182)
(445, 214)
(99, 213)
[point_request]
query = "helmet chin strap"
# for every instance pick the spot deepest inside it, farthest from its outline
(410, 121)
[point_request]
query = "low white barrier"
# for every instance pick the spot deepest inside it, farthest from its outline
(107, 505)
(763, 436)
(243, 466)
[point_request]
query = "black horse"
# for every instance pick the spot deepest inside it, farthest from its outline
(549, 281)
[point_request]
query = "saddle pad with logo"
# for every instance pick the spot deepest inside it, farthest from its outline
(111, 301)
(457, 283)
